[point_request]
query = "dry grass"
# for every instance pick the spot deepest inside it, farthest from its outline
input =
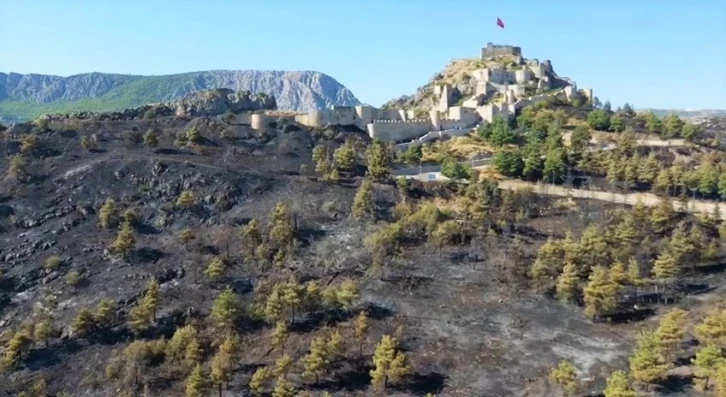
(461, 148)
(456, 71)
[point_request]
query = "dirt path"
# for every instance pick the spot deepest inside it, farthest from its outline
(649, 199)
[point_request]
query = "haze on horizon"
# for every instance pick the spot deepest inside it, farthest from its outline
(647, 53)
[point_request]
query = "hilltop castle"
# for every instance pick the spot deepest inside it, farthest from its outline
(499, 91)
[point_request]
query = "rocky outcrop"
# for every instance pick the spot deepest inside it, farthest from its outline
(205, 103)
(220, 101)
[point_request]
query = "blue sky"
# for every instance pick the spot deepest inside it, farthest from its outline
(663, 54)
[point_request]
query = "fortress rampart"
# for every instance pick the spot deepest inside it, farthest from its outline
(493, 50)
(444, 119)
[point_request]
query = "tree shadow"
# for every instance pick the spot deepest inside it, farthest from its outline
(632, 315)
(316, 319)
(710, 269)
(421, 385)
(675, 384)
(68, 133)
(170, 151)
(112, 336)
(145, 255)
(308, 235)
(354, 379)
(378, 312)
(48, 356)
(143, 228)
(694, 289)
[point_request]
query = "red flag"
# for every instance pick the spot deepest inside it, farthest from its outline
(500, 23)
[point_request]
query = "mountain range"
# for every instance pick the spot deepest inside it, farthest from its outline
(26, 96)
(688, 114)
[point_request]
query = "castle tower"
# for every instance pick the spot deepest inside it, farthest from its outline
(444, 94)
(510, 97)
(588, 94)
(258, 121)
(435, 117)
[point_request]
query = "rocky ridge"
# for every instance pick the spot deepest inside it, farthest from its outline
(29, 95)
(199, 104)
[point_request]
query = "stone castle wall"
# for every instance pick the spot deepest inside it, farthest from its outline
(397, 130)
(400, 125)
(493, 50)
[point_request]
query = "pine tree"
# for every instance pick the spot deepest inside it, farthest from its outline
(140, 317)
(226, 309)
(708, 359)
(316, 362)
(108, 214)
(279, 336)
(345, 157)
(618, 385)
(283, 365)
(712, 329)
(630, 173)
(14, 352)
(600, 293)
(335, 346)
(283, 388)
(361, 330)
(231, 347)
(251, 237)
(29, 143)
(151, 299)
(720, 381)
(566, 377)
(671, 329)
(593, 249)
(389, 363)
(273, 306)
(281, 230)
(661, 216)
(105, 312)
(568, 282)
(84, 323)
(548, 263)
(222, 367)
(649, 169)
(125, 240)
(259, 380)
(215, 268)
(151, 140)
(627, 236)
(378, 159)
(619, 274)
(186, 200)
(193, 352)
(183, 337)
(291, 296)
(363, 205)
(647, 364)
(186, 236)
(666, 267)
(634, 275)
(52, 263)
(43, 330)
(197, 383)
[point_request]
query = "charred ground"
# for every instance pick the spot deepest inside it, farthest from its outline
(463, 312)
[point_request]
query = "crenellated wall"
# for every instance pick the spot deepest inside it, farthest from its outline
(493, 50)
(398, 130)
(400, 125)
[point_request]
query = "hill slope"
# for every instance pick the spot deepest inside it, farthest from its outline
(28, 96)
